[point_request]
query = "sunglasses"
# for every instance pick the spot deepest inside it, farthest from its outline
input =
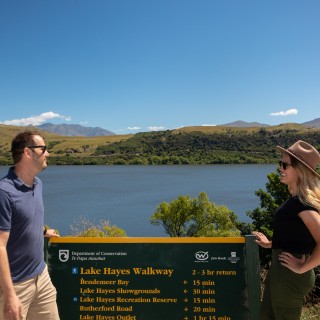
(43, 148)
(284, 165)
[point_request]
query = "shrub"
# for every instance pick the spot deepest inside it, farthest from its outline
(86, 228)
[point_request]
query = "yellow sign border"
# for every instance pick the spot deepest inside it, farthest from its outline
(147, 240)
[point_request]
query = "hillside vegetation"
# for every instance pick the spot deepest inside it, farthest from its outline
(190, 145)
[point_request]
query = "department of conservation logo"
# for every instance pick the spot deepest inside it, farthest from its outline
(63, 255)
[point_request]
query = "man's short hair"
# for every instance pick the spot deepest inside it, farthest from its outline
(21, 141)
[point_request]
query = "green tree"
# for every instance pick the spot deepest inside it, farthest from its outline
(262, 217)
(276, 193)
(195, 217)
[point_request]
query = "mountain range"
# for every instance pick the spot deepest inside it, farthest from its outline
(242, 124)
(78, 130)
(74, 130)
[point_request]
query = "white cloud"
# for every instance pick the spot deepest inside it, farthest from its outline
(35, 120)
(134, 128)
(154, 128)
(285, 113)
(209, 125)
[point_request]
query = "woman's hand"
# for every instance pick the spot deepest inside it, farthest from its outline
(262, 240)
(291, 262)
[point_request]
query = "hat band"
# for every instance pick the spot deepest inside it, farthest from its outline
(298, 156)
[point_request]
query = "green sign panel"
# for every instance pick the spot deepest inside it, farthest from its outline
(155, 278)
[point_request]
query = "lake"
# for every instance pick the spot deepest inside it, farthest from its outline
(127, 196)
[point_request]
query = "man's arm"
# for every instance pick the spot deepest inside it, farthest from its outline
(12, 308)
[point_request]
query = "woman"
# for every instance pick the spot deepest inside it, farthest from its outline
(296, 236)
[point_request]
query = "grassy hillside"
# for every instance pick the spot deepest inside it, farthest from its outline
(208, 145)
(190, 145)
(59, 146)
(221, 129)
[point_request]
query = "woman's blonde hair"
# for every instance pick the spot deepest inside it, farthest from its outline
(308, 189)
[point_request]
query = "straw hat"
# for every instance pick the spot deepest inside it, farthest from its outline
(305, 153)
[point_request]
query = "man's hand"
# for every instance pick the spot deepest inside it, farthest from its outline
(51, 233)
(12, 309)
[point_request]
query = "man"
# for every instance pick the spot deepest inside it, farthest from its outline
(26, 290)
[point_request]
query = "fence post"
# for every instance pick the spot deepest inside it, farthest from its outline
(45, 249)
(253, 276)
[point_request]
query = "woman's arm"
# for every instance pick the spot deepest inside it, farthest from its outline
(262, 240)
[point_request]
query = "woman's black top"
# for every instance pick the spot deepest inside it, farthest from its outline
(290, 233)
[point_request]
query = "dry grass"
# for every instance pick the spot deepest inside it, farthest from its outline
(311, 313)
(85, 145)
(222, 129)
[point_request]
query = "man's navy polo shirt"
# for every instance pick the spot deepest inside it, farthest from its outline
(22, 214)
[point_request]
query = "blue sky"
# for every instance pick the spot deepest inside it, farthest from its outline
(141, 65)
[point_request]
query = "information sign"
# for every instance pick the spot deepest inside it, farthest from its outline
(155, 278)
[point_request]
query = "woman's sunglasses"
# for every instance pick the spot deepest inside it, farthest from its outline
(284, 165)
